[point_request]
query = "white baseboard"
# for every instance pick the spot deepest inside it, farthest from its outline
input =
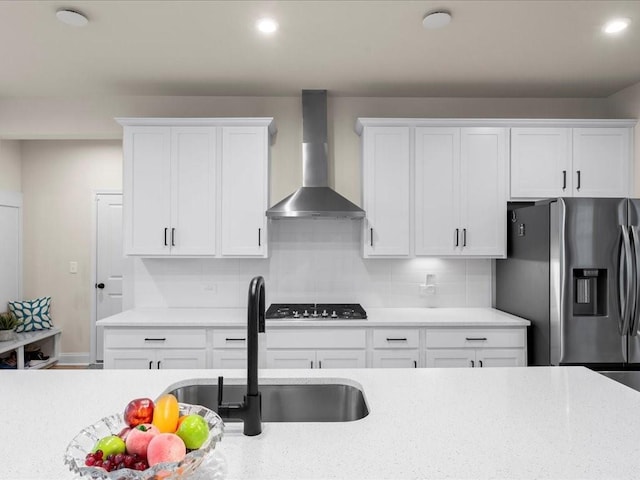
(79, 358)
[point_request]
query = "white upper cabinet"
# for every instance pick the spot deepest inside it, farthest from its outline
(601, 162)
(245, 191)
(196, 187)
(460, 191)
(437, 190)
(541, 162)
(386, 191)
(571, 161)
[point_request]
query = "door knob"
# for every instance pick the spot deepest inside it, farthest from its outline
(100, 285)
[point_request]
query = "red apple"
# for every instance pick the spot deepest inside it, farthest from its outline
(139, 438)
(139, 411)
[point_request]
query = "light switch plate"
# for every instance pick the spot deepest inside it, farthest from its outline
(73, 267)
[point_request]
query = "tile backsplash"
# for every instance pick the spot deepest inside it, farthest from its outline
(313, 261)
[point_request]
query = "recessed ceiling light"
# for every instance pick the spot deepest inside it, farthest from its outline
(435, 20)
(616, 26)
(71, 17)
(267, 25)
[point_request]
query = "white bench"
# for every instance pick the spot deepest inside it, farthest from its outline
(49, 341)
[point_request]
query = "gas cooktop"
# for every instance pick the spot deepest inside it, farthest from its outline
(316, 311)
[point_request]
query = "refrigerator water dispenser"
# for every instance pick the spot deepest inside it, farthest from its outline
(590, 284)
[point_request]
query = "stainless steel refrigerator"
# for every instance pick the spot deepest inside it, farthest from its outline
(572, 269)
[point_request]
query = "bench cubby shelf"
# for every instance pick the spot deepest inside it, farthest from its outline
(48, 340)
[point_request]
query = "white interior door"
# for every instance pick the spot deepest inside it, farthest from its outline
(10, 248)
(109, 263)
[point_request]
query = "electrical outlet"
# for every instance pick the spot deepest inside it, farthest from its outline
(210, 287)
(429, 287)
(73, 267)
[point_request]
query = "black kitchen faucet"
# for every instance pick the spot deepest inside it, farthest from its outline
(250, 410)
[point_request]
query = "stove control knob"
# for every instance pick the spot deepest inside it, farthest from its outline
(334, 314)
(324, 314)
(296, 314)
(315, 314)
(305, 314)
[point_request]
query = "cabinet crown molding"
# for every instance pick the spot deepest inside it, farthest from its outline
(491, 122)
(200, 122)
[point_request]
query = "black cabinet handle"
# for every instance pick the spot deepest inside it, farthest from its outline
(259, 242)
(476, 339)
(396, 339)
(311, 363)
(371, 236)
(480, 362)
(472, 363)
(564, 179)
(165, 237)
(173, 237)
(415, 364)
(320, 364)
(150, 362)
(155, 339)
(464, 237)
(457, 241)
(158, 364)
(579, 180)
(100, 285)
(235, 339)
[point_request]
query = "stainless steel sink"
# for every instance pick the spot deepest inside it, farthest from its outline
(329, 402)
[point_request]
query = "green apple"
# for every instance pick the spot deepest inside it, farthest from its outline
(111, 445)
(193, 431)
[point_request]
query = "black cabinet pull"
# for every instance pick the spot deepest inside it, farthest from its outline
(564, 179)
(311, 363)
(371, 236)
(472, 363)
(476, 339)
(320, 364)
(480, 362)
(464, 237)
(155, 339)
(396, 339)
(150, 362)
(457, 241)
(158, 364)
(173, 237)
(100, 285)
(579, 180)
(259, 241)
(415, 364)
(165, 237)
(235, 339)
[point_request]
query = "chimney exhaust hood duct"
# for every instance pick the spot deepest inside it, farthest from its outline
(315, 199)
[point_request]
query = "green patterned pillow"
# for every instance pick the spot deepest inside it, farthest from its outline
(33, 313)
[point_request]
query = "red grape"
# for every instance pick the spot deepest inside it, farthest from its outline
(98, 454)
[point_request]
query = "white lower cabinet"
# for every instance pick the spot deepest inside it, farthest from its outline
(229, 348)
(476, 348)
(316, 359)
(395, 348)
(395, 358)
(152, 359)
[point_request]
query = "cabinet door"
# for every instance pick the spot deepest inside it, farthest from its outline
(445, 358)
(601, 158)
(407, 358)
(291, 358)
(146, 190)
(437, 192)
(483, 191)
(129, 359)
(500, 358)
(245, 192)
(193, 191)
(230, 358)
(341, 358)
(168, 359)
(540, 162)
(386, 191)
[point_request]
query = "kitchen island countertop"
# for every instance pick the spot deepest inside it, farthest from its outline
(500, 423)
(376, 317)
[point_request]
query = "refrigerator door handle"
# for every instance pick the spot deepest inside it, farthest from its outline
(626, 298)
(635, 312)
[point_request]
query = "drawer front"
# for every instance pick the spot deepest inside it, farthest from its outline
(230, 338)
(475, 338)
(316, 338)
(155, 338)
(395, 338)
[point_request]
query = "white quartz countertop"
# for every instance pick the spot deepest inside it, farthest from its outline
(230, 317)
(500, 423)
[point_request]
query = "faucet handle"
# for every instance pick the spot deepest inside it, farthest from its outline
(220, 387)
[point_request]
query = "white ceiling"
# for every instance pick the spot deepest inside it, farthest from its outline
(351, 48)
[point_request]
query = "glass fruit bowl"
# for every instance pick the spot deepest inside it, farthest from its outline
(83, 443)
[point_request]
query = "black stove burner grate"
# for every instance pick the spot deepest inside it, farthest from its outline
(319, 311)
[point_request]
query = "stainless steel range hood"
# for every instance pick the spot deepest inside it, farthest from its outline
(315, 198)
